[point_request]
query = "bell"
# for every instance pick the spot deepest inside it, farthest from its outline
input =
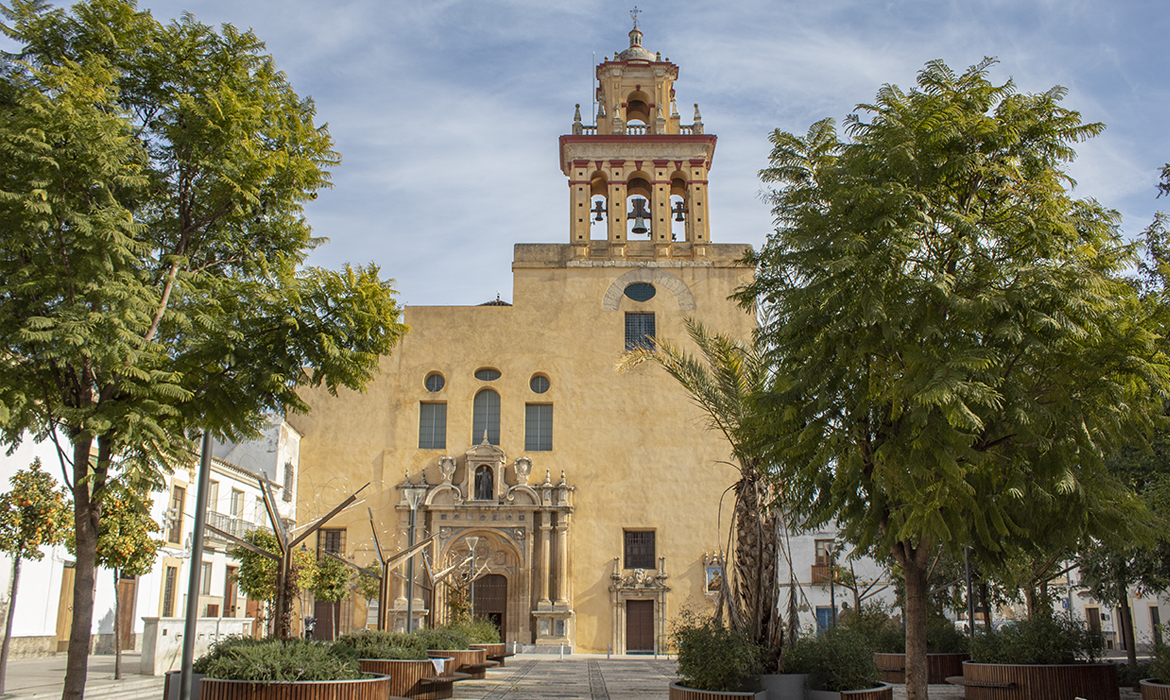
(639, 226)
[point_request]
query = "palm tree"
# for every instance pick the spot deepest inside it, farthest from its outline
(721, 379)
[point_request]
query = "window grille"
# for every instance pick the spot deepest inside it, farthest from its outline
(640, 550)
(639, 331)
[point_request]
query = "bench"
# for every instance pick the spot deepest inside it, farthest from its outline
(499, 658)
(478, 670)
(959, 680)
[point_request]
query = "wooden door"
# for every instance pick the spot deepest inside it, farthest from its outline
(65, 607)
(1093, 615)
(491, 600)
(253, 610)
(639, 626)
(127, 598)
(229, 592)
(324, 613)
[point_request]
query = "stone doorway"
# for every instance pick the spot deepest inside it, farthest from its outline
(639, 627)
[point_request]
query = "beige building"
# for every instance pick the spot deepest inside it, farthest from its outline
(591, 497)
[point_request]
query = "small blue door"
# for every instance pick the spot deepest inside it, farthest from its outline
(824, 619)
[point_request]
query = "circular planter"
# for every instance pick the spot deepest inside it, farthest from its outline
(493, 652)
(1153, 690)
(407, 677)
(1040, 682)
(376, 688)
(469, 661)
(681, 692)
(883, 692)
(939, 667)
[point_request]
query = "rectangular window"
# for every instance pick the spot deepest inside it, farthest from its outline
(824, 552)
(237, 504)
(432, 426)
(168, 601)
(639, 331)
(332, 541)
(289, 476)
(538, 427)
(205, 579)
(640, 550)
(212, 497)
(178, 499)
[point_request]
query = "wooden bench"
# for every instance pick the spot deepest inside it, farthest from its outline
(499, 658)
(959, 680)
(478, 670)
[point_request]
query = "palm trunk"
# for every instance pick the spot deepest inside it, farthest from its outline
(8, 618)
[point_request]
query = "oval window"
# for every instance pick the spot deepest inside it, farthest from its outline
(640, 291)
(487, 374)
(434, 382)
(539, 384)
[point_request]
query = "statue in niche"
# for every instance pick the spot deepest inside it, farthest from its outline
(483, 483)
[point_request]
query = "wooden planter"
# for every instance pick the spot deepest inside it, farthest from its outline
(377, 688)
(471, 662)
(494, 652)
(411, 678)
(1153, 690)
(939, 667)
(681, 692)
(1038, 682)
(883, 692)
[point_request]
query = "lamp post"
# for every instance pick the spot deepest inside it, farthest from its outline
(414, 496)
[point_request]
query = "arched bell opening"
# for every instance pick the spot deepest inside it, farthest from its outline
(679, 209)
(638, 205)
(638, 108)
(598, 207)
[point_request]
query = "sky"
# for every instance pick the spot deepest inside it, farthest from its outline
(447, 112)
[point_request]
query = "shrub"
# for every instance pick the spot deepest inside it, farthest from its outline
(481, 630)
(1131, 676)
(1160, 666)
(379, 645)
(442, 638)
(943, 638)
(837, 659)
(875, 624)
(274, 660)
(713, 657)
(1059, 639)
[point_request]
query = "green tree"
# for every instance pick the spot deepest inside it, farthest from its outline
(331, 584)
(34, 513)
(125, 547)
(721, 380)
(952, 349)
(151, 240)
(258, 574)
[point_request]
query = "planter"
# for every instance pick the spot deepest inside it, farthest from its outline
(1153, 690)
(171, 685)
(883, 692)
(469, 661)
(785, 686)
(939, 667)
(494, 652)
(410, 678)
(377, 688)
(681, 692)
(1039, 682)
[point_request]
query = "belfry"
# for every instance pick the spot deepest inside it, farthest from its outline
(567, 502)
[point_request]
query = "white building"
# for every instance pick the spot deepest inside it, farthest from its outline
(43, 618)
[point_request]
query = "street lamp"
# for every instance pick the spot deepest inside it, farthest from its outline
(414, 496)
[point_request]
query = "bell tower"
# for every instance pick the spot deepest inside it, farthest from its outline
(638, 176)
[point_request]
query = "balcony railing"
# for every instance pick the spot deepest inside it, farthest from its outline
(233, 526)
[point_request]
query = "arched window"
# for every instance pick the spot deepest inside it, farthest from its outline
(486, 417)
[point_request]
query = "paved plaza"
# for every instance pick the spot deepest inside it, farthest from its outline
(526, 677)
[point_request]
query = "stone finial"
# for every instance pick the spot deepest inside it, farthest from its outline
(547, 478)
(563, 482)
(405, 478)
(698, 117)
(577, 115)
(658, 57)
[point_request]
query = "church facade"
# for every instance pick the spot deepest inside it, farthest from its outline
(584, 502)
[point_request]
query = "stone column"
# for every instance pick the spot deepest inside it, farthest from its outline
(562, 561)
(542, 572)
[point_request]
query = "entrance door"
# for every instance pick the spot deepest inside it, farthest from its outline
(229, 592)
(127, 597)
(491, 600)
(824, 618)
(639, 627)
(1093, 615)
(323, 619)
(65, 607)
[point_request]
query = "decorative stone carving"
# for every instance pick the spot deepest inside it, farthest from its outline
(523, 467)
(447, 468)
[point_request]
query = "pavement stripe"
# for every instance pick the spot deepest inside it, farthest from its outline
(597, 689)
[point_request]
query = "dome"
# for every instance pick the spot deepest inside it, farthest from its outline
(636, 52)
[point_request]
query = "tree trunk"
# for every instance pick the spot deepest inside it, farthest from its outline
(86, 513)
(1125, 619)
(915, 570)
(984, 595)
(8, 617)
(117, 629)
(757, 591)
